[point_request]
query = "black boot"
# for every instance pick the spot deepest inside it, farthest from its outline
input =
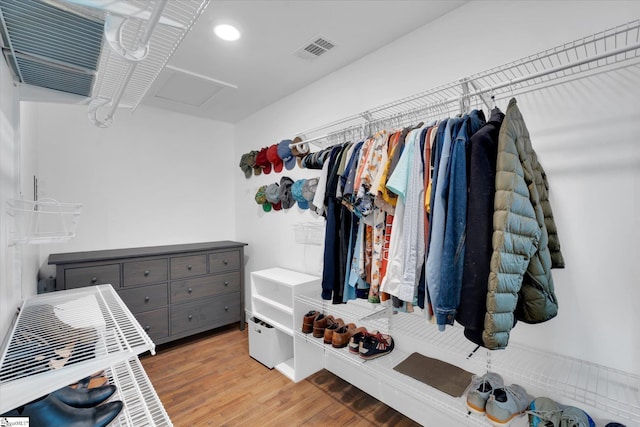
(51, 412)
(84, 397)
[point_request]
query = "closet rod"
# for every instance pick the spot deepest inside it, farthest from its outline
(587, 43)
(396, 117)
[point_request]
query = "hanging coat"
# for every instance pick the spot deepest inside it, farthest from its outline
(525, 241)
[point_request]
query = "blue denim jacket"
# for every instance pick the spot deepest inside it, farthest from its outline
(438, 214)
(455, 192)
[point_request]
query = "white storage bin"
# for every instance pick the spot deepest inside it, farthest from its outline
(267, 344)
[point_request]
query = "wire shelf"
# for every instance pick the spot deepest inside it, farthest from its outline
(309, 233)
(382, 370)
(596, 386)
(43, 221)
(121, 82)
(142, 406)
(61, 337)
(607, 50)
(360, 312)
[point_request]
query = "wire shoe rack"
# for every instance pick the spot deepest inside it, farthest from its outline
(611, 391)
(60, 337)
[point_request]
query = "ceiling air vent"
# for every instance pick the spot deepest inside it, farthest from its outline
(318, 46)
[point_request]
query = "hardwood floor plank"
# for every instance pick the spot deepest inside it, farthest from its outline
(210, 380)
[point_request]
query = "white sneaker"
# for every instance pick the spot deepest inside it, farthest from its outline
(506, 403)
(480, 389)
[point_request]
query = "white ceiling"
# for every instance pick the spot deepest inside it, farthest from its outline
(229, 81)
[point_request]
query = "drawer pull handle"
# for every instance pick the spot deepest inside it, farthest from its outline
(189, 290)
(189, 317)
(94, 279)
(189, 267)
(258, 330)
(146, 299)
(225, 262)
(226, 308)
(226, 283)
(146, 272)
(146, 328)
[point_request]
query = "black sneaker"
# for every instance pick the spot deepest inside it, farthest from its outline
(376, 345)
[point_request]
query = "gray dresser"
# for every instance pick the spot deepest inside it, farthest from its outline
(174, 291)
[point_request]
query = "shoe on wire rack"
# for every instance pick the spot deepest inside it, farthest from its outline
(376, 345)
(307, 321)
(506, 403)
(544, 412)
(360, 334)
(480, 389)
(332, 326)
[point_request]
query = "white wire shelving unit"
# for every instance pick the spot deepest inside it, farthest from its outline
(376, 318)
(143, 407)
(601, 52)
(61, 337)
(610, 391)
(43, 221)
(135, 49)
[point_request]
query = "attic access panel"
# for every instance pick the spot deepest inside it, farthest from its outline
(51, 47)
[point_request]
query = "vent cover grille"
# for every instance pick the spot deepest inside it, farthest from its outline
(318, 46)
(51, 47)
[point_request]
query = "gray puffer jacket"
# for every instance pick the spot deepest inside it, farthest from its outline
(525, 240)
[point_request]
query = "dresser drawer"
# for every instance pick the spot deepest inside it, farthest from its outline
(142, 272)
(145, 298)
(155, 323)
(224, 261)
(200, 287)
(188, 266)
(205, 314)
(89, 276)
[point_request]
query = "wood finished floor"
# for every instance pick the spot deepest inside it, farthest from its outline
(210, 380)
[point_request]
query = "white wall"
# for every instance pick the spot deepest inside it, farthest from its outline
(585, 134)
(18, 263)
(153, 178)
(9, 294)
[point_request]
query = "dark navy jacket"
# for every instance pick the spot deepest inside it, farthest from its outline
(475, 276)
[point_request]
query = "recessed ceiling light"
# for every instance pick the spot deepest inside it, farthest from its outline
(227, 32)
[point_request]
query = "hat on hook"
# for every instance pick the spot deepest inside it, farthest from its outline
(247, 162)
(272, 156)
(284, 192)
(309, 188)
(271, 193)
(296, 191)
(284, 152)
(262, 162)
(299, 151)
(261, 198)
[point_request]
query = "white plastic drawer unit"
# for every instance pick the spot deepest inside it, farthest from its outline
(267, 344)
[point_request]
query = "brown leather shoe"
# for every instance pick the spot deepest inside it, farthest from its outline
(331, 328)
(342, 335)
(307, 321)
(319, 325)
